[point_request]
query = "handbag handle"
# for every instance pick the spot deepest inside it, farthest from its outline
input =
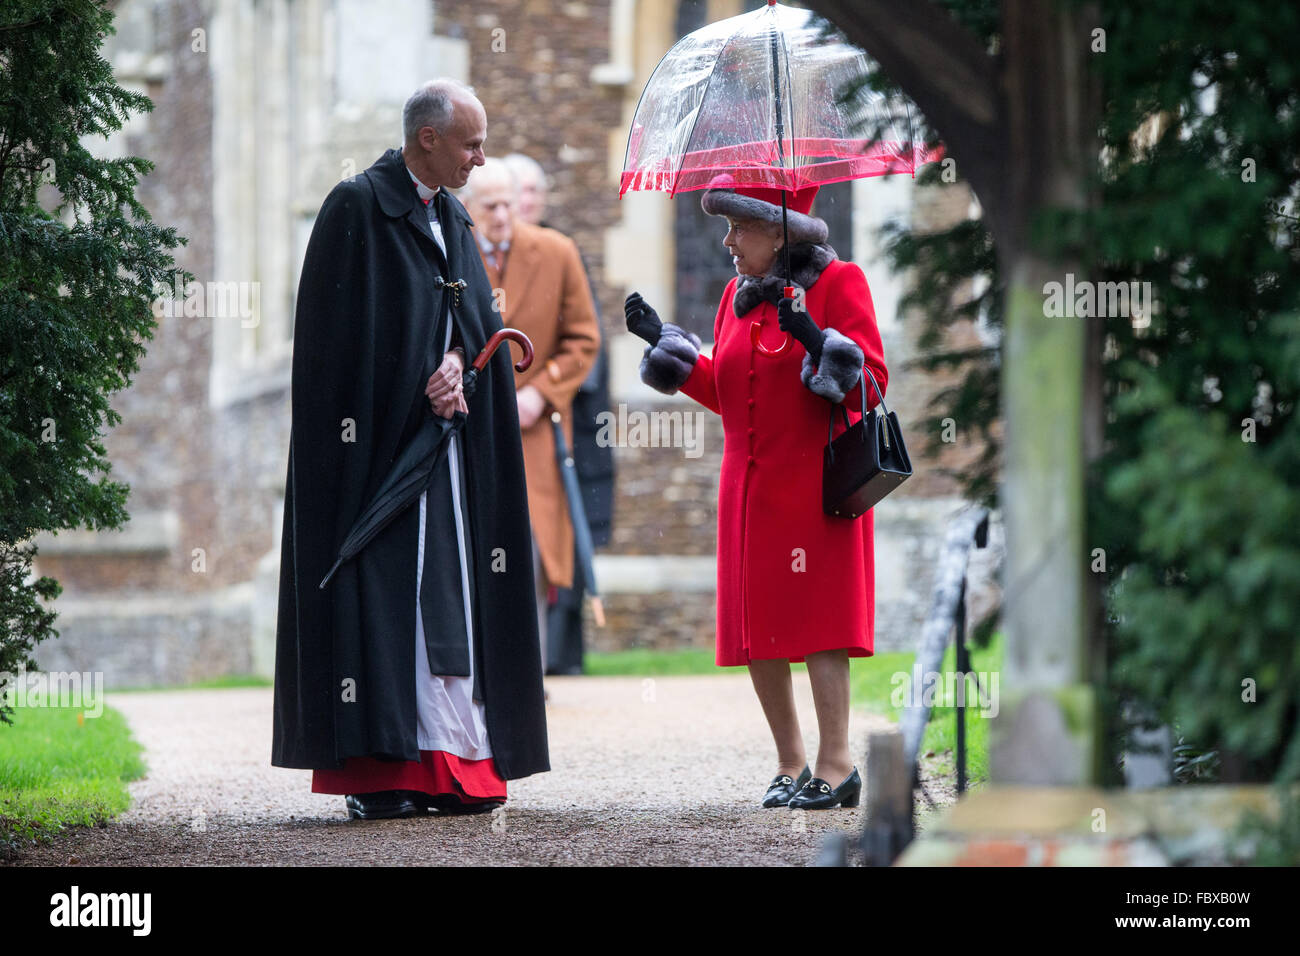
(830, 425)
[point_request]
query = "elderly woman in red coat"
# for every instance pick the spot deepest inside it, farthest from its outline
(793, 583)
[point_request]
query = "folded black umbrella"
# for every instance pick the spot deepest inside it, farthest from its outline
(414, 466)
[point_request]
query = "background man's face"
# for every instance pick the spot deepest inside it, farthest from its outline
(457, 151)
(492, 207)
(532, 200)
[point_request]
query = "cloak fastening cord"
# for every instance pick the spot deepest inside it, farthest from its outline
(456, 286)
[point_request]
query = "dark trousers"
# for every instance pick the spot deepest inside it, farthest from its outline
(564, 629)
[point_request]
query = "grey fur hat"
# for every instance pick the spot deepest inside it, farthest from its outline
(728, 202)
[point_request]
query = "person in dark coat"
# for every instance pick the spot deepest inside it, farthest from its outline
(543, 292)
(593, 461)
(413, 680)
(793, 583)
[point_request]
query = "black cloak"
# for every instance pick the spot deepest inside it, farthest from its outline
(368, 332)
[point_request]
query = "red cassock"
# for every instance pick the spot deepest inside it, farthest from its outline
(791, 580)
(437, 772)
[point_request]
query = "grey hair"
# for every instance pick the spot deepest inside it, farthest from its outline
(522, 165)
(491, 166)
(432, 105)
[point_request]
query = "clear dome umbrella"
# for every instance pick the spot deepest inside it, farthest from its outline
(758, 100)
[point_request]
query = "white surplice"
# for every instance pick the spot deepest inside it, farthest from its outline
(448, 717)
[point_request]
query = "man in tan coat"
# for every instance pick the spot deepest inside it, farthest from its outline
(541, 289)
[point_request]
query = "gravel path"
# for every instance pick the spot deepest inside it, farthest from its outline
(645, 771)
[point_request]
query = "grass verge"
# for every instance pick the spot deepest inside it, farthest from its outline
(57, 771)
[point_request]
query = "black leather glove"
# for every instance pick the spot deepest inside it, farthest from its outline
(642, 321)
(802, 327)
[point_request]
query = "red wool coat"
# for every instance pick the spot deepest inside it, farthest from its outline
(791, 581)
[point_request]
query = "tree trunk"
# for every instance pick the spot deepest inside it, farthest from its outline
(1022, 129)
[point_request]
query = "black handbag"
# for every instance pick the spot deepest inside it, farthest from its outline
(866, 462)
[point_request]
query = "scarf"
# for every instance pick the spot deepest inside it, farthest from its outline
(807, 261)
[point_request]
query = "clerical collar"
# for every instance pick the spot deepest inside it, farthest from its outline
(425, 192)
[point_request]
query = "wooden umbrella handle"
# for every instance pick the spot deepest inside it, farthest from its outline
(499, 337)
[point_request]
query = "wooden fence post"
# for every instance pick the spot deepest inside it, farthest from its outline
(888, 828)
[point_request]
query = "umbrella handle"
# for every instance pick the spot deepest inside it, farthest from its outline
(470, 379)
(496, 340)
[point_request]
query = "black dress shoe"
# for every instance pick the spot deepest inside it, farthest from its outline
(782, 788)
(380, 805)
(451, 805)
(817, 794)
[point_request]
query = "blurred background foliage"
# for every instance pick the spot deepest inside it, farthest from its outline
(1196, 498)
(79, 260)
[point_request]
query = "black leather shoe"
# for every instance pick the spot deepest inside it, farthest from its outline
(782, 788)
(380, 805)
(817, 794)
(449, 804)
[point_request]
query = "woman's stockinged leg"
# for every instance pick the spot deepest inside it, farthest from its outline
(829, 673)
(775, 692)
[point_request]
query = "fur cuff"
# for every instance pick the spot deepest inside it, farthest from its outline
(841, 367)
(666, 366)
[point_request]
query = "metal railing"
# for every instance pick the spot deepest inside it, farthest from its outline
(893, 756)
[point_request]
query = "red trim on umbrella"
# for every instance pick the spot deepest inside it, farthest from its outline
(814, 162)
(728, 167)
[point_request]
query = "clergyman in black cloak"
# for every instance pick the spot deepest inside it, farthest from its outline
(368, 691)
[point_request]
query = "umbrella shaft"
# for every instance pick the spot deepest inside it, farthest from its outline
(780, 151)
(785, 238)
(776, 96)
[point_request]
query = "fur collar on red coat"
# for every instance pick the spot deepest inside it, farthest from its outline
(807, 262)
